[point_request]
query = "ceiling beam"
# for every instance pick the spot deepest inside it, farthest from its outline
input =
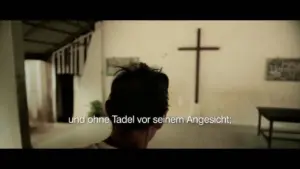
(73, 23)
(33, 29)
(70, 39)
(35, 56)
(39, 26)
(40, 42)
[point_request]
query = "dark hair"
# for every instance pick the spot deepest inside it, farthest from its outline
(138, 91)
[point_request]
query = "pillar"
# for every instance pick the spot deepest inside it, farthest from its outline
(14, 127)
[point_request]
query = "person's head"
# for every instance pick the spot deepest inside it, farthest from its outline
(138, 91)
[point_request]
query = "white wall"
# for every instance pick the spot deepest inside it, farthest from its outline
(88, 86)
(38, 87)
(31, 71)
(11, 52)
(232, 79)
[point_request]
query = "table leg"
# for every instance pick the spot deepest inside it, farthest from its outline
(259, 124)
(270, 134)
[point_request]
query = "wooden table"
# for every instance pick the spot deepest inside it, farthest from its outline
(272, 114)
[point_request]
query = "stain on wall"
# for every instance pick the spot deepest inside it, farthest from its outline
(232, 80)
(39, 93)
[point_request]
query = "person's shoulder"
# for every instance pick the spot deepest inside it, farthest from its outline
(101, 145)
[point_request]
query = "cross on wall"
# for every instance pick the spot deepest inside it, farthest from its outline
(198, 48)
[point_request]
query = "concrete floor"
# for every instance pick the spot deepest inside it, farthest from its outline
(64, 135)
(170, 136)
(213, 136)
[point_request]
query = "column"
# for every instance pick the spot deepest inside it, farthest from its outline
(13, 103)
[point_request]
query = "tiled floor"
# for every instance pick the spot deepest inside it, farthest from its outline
(170, 136)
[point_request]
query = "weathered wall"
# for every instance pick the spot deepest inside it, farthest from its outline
(38, 87)
(88, 86)
(232, 79)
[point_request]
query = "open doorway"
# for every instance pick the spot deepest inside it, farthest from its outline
(64, 97)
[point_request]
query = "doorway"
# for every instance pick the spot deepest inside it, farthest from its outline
(64, 97)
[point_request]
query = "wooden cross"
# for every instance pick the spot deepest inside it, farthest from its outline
(198, 49)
